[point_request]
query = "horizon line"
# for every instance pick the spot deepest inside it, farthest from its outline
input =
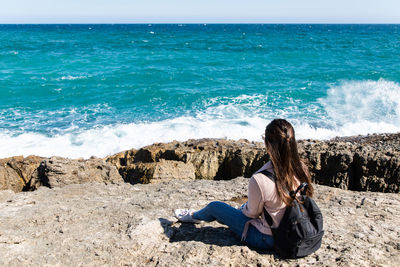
(199, 23)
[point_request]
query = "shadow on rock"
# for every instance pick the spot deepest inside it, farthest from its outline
(220, 236)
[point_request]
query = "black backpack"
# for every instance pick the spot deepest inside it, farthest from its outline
(300, 231)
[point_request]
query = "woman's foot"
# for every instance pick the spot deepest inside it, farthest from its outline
(185, 215)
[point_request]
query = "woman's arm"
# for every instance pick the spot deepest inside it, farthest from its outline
(255, 204)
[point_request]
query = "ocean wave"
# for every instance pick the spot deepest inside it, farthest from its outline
(350, 108)
(107, 140)
(373, 102)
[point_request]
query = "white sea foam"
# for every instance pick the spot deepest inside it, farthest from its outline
(70, 77)
(111, 139)
(350, 108)
(373, 101)
(362, 107)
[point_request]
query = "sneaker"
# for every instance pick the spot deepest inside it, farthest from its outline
(185, 215)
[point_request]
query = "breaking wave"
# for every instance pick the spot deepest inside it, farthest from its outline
(349, 108)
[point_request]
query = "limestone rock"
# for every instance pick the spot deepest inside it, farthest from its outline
(152, 172)
(122, 158)
(94, 224)
(58, 172)
(9, 179)
(356, 163)
(16, 173)
(213, 159)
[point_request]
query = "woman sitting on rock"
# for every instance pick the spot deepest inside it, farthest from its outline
(249, 221)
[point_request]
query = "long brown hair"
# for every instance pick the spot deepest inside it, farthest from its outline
(281, 146)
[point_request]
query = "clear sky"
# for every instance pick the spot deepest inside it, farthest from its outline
(200, 11)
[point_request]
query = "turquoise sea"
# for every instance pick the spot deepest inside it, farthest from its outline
(83, 90)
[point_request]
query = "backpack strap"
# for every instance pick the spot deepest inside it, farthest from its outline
(268, 217)
(301, 188)
(269, 174)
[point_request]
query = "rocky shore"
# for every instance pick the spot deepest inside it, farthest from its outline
(94, 224)
(369, 163)
(117, 211)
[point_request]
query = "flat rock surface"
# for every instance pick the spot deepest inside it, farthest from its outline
(132, 225)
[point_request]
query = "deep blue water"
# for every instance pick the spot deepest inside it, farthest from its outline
(82, 90)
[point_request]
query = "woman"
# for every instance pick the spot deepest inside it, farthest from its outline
(272, 194)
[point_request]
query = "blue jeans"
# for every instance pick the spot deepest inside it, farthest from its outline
(235, 220)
